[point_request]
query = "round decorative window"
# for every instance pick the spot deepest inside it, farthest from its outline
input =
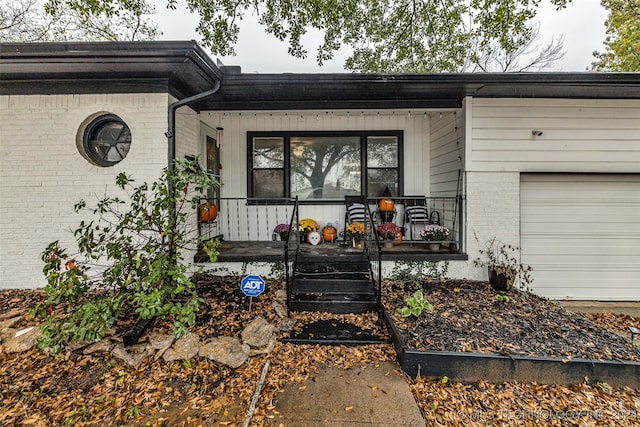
(107, 140)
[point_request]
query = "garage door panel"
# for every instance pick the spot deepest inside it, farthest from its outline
(575, 247)
(581, 235)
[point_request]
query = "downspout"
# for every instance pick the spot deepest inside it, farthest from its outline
(171, 136)
(171, 133)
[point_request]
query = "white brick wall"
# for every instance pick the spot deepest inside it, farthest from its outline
(43, 174)
(493, 210)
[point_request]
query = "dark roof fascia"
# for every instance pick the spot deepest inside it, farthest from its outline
(394, 91)
(180, 68)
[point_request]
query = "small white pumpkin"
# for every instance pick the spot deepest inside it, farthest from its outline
(314, 238)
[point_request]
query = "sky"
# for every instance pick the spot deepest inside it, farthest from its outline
(581, 24)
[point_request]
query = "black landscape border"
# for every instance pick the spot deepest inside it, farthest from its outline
(497, 368)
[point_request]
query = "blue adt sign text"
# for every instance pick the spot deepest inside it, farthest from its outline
(252, 285)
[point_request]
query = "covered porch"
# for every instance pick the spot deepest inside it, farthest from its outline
(246, 229)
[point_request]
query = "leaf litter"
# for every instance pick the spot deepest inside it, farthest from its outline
(97, 389)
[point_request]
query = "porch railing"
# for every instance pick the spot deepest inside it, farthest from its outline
(243, 219)
(447, 211)
(291, 250)
(253, 219)
(373, 250)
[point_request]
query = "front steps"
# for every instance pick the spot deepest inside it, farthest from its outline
(333, 285)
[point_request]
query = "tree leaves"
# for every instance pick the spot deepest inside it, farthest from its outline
(622, 43)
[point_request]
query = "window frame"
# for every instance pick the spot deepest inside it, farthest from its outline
(93, 128)
(363, 136)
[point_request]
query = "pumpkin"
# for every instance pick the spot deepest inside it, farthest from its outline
(208, 212)
(329, 233)
(398, 239)
(386, 205)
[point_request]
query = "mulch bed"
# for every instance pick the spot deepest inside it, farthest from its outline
(467, 317)
(97, 389)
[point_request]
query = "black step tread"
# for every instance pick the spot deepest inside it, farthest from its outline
(336, 307)
(316, 282)
(318, 296)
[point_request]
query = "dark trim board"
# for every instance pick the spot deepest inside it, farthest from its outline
(471, 367)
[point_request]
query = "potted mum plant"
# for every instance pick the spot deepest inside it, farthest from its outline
(435, 234)
(388, 232)
(306, 226)
(355, 231)
(503, 266)
(283, 231)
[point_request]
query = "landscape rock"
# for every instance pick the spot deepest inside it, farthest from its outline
(6, 324)
(133, 355)
(258, 333)
(18, 340)
(281, 295)
(160, 341)
(228, 351)
(184, 348)
(267, 349)
(105, 345)
(286, 324)
(280, 309)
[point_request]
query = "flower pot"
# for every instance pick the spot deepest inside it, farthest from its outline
(499, 281)
(434, 247)
(284, 236)
(387, 244)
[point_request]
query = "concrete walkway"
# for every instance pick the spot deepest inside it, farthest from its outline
(366, 395)
(631, 308)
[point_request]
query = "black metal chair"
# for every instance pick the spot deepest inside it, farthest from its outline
(354, 210)
(417, 213)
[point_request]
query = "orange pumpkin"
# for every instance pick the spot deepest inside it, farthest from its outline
(329, 233)
(398, 239)
(386, 205)
(208, 212)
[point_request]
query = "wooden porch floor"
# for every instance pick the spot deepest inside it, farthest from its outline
(270, 251)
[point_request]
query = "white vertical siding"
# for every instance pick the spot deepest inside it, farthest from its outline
(447, 153)
(578, 135)
(415, 127)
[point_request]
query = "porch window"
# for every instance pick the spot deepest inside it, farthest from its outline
(319, 166)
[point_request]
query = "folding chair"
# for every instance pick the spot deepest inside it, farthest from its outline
(416, 213)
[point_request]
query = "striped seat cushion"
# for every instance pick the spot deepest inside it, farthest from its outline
(355, 212)
(417, 214)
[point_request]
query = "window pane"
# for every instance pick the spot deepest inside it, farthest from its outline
(379, 179)
(325, 167)
(268, 183)
(268, 153)
(382, 152)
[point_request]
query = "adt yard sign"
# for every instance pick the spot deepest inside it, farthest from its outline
(252, 285)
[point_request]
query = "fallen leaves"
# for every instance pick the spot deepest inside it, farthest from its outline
(40, 390)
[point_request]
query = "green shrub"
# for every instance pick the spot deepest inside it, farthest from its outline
(129, 261)
(415, 305)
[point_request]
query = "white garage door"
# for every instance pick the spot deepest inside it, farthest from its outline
(581, 235)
